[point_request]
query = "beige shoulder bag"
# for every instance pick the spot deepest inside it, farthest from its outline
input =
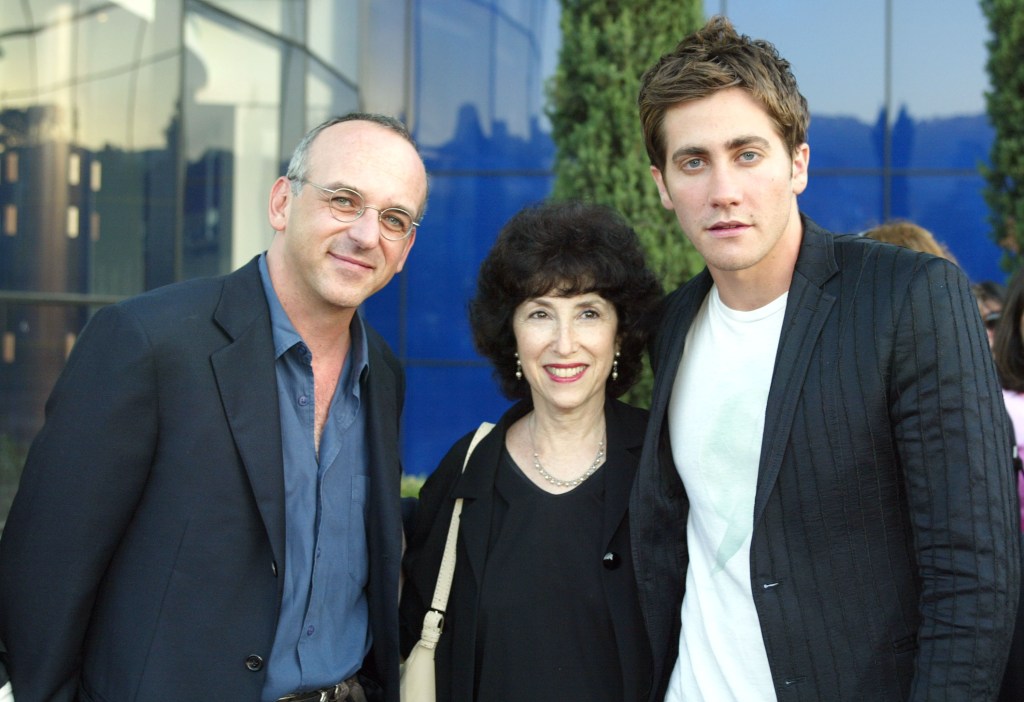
(418, 670)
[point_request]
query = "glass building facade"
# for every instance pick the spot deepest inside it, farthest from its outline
(139, 140)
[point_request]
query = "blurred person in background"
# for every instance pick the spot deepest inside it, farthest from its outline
(910, 236)
(990, 296)
(1008, 350)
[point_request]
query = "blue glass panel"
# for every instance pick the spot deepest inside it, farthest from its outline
(846, 142)
(954, 210)
(443, 404)
(462, 222)
(844, 204)
(938, 58)
(837, 50)
(383, 309)
(492, 116)
(955, 142)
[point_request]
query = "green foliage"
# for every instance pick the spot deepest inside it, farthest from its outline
(12, 459)
(1004, 191)
(411, 485)
(600, 156)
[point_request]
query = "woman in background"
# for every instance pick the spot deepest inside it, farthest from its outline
(1008, 351)
(543, 605)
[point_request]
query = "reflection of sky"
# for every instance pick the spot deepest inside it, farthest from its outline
(837, 50)
(495, 58)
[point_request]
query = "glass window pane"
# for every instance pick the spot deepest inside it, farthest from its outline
(468, 395)
(277, 16)
(953, 208)
(851, 82)
(327, 95)
(493, 116)
(335, 28)
(232, 121)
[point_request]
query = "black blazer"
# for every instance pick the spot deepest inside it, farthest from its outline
(140, 558)
(884, 558)
(456, 652)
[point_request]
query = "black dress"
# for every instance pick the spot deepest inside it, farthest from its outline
(544, 630)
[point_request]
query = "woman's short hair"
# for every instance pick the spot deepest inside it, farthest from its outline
(572, 248)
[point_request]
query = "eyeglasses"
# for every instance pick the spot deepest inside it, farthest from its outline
(992, 320)
(348, 205)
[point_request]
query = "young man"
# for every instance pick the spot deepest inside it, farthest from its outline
(211, 511)
(825, 505)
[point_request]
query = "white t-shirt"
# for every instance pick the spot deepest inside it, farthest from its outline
(716, 422)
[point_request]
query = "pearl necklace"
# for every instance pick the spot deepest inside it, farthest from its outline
(573, 482)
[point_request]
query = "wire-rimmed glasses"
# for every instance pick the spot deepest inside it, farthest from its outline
(348, 205)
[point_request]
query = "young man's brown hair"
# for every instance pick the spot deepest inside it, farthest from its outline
(714, 58)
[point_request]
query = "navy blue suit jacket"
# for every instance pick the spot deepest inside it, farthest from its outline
(140, 559)
(884, 560)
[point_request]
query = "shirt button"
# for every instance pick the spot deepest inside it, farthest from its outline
(303, 400)
(612, 560)
(254, 663)
(310, 630)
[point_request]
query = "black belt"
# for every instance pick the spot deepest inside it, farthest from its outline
(346, 691)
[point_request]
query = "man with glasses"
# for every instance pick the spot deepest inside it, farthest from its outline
(211, 511)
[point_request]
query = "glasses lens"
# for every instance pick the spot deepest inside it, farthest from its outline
(346, 205)
(395, 224)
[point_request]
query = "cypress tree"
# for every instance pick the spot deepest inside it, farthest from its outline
(1004, 191)
(600, 156)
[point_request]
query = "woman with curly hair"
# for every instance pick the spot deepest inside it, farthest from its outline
(543, 604)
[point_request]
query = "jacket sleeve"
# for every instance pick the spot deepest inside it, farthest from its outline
(82, 479)
(953, 439)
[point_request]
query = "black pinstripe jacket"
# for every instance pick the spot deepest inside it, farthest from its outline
(885, 524)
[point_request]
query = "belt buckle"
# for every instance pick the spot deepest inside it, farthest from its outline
(338, 693)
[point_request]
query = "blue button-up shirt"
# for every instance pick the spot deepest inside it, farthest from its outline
(323, 629)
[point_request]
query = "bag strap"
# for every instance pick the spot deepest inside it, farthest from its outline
(447, 571)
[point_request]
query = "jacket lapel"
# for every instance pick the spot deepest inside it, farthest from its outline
(668, 353)
(624, 437)
(384, 532)
(244, 371)
(807, 308)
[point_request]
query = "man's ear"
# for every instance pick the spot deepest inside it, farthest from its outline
(801, 162)
(659, 180)
(280, 203)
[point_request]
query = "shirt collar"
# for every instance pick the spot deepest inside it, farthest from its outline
(286, 337)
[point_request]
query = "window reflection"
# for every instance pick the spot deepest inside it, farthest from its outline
(233, 123)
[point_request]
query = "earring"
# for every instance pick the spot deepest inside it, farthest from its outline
(615, 367)
(519, 368)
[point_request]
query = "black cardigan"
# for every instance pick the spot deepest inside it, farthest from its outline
(455, 656)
